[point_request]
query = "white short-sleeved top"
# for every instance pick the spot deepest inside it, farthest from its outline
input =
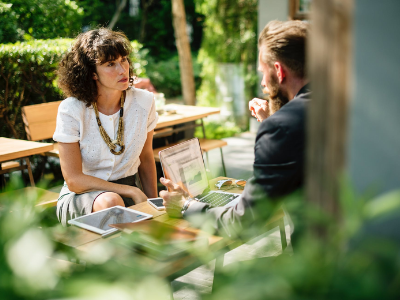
(77, 123)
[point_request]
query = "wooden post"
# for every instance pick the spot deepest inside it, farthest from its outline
(330, 60)
(293, 8)
(185, 56)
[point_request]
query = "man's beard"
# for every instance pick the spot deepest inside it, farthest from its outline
(277, 97)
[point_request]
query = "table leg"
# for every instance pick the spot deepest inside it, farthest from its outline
(28, 165)
(223, 163)
(2, 180)
(204, 129)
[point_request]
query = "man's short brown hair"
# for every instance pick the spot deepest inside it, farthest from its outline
(285, 42)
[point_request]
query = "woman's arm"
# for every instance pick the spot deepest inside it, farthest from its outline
(78, 182)
(147, 168)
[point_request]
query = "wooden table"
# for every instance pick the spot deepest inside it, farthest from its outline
(184, 114)
(11, 149)
(85, 240)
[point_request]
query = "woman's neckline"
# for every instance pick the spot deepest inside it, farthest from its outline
(100, 113)
(117, 112)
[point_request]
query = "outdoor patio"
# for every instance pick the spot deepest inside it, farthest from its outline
(108, 96)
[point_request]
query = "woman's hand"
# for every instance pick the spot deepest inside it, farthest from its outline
(137, 195)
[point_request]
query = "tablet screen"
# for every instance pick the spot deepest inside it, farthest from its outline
(99, 221)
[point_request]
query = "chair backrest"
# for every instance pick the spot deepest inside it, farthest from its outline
(40, 120)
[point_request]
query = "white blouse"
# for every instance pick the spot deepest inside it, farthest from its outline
(77, 123)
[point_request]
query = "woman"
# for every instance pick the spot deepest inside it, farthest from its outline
(104, 127)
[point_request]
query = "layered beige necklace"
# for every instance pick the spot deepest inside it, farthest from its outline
(120, 135)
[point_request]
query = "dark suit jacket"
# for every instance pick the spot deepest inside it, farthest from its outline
(278, 165)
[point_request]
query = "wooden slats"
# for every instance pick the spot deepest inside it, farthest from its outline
(207, 144)
(163, 132)
(54, 152)
(40, 120)
(10, 165)
(40, 131)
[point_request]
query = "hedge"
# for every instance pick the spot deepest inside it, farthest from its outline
(27, 76)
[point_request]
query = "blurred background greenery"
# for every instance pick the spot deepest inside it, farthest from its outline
(211, 25)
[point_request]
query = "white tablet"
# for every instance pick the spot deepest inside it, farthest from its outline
(98, 222)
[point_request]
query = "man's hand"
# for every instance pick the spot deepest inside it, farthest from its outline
(259, 108)
(174, 198)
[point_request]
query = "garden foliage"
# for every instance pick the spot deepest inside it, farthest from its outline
(166, 77)
(8, 24)
(28, 76)
(217, 130)
(42, 19)
(230, 36)
(153, 28)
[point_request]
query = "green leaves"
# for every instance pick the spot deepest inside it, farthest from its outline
(166, 77)
(46, 19)
(229, 36)
(8, 24)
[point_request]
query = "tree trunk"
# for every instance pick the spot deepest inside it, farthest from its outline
(117, 13)
(330, 60)
(185, 57)
(145, 9)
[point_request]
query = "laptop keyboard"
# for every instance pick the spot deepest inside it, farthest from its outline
(218, 199)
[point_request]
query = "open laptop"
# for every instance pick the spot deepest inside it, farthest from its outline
(184, 165)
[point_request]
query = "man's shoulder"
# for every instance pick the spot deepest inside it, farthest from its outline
(294, 108)
(291, 114)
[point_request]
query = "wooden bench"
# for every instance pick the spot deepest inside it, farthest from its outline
(40, 123)
(10, 165)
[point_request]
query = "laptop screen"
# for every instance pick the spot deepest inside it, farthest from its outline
(184, 165)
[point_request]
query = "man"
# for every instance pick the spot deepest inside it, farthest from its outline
(280, 142)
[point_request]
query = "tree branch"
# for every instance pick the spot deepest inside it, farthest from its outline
(117, 13)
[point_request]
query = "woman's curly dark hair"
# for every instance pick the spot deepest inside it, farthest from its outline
(76, 69)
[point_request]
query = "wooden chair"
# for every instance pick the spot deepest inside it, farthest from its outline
(40, 123)
(163, 133)
(11, 166)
